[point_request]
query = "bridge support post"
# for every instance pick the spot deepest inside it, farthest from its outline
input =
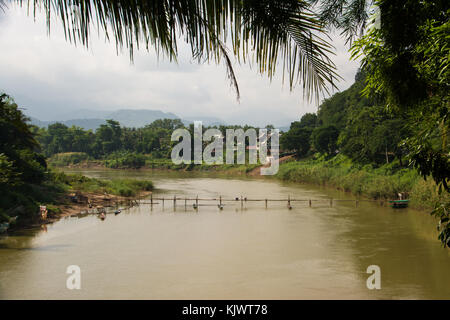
(151, 201)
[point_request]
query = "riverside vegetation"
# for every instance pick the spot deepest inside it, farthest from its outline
(352, 143)
(402, 116)
(374, 182)
(26, 182)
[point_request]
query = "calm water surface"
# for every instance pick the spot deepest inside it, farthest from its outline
(250, 253)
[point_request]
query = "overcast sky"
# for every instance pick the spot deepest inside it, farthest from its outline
(51, 78)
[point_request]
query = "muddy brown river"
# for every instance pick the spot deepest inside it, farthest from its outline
(317, 252)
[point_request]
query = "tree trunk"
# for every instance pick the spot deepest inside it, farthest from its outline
(387, 157)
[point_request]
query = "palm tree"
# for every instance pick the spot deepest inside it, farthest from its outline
(271, 33)
(348, 16)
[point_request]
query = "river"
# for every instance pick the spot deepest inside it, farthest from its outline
(317, 252)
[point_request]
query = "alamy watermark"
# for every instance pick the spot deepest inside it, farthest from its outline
(74, 280)
(193, 149)
(374, 280)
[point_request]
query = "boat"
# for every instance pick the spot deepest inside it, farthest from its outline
(102, 216)
(117, 212)
(397, 204)
(4, 227)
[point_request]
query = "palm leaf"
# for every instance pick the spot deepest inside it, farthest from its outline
(350, 16)
(270, 33)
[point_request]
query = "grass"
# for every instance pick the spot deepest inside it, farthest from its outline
(167, 164)
(67, 158)
(136, 161)
(121, 187)
(24, 202)
(383, 182)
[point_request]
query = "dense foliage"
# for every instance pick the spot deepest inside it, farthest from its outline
(367, 180)
(405, 78)
(24, 179)
(109, 139)
(405, 51)
(406, 59)
(117, 146)
(351, 124)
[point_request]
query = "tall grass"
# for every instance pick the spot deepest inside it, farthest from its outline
(67, 158)
(121, 187)
(383, 182)
(167, 164)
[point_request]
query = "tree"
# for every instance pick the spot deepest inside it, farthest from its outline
(168, 124)
(22, 168)
(18, 145)
(336, 109)
(297, 139)
(405, 54)
(350, 16)
(308, 120)
(387, 136)
(407, 62)
(325, 139)
(372, 135)
(109, 136)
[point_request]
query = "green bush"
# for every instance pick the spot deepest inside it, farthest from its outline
(126, 160)
(67, 158)
(383, 182)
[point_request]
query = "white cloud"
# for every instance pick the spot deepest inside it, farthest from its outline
(50, 76)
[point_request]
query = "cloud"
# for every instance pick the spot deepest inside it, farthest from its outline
(50, 77)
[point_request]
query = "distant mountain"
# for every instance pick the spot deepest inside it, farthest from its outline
(136, 118)
(87, 124)
(139, 117)
(80, 114)
(206, 121)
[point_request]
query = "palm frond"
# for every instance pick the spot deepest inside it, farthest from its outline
(275, 33)
(350, 16)
(3, 6)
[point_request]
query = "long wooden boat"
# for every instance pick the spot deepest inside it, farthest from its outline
(399, 203)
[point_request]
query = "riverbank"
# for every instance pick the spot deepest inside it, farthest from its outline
(68, 194)
(164, 164)
(91, 202)
(383, 182)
